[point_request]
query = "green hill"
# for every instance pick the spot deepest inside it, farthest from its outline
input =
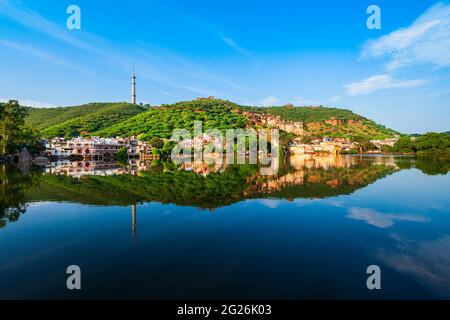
(161, 121)
(123, 119)
(72, 121)
(310, 114)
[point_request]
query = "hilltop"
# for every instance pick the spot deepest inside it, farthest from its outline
(161, 121)
(123, 119)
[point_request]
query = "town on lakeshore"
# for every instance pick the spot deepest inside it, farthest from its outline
(224, 156)
(112, 131)
(97, 148)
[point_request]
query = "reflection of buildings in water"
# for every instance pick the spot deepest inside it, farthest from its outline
(78, 169)
(204, 168)
(304, 166)
(135, 166)
(321, 170)
(269, 184)
(300, 162)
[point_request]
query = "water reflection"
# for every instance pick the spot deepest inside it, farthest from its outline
(201, 185)
(308, 232)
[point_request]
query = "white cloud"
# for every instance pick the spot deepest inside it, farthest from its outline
(382, 220)
(380, 82)
(269, 101)
(31, 103)
(425, 42)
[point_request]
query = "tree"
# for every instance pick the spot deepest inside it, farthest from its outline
(12, 120)
(365, 143)
(157, 143)
(122, 155)
(404, 144)
(167, 148)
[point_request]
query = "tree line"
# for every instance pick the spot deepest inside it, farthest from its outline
(14, 133)
(430, 142)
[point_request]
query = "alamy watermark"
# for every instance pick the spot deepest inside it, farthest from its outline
(73, 22)
(374, 280)
(238, 146)
(73, 282)
(374, 20)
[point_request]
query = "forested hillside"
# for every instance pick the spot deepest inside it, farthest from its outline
(72, 121)
(123, 119)
(161, 121)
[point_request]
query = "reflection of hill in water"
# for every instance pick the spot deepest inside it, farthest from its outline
(298, 177)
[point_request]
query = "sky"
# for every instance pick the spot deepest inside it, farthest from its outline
(249, 52)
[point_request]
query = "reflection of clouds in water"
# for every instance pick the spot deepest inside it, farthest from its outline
(335, 203)
(305, 202)
(429, 261)
(272, 204)
(39, 204)
(382, 220)
(35, 257)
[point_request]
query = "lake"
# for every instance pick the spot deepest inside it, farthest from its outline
(161, 231)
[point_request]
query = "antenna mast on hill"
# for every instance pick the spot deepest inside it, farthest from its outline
(133, 87)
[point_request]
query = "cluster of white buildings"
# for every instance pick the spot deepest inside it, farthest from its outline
(95, 148)
(335, 145)
(325, 145)
(386, 142)
(201, 141)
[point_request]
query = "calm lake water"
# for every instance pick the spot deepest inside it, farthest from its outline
(158, 231)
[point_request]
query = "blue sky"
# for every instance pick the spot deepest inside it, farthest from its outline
(251, 52)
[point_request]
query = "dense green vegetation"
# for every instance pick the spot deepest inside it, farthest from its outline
(14, 133)
(429, 143)
(122, 119)
(161, 121)
(165, 183)
(88, 119)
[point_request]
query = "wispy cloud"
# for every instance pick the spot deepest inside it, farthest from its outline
(380, 82)
(31, 103)
(427, 260)
(166, 93)
(426, 41)
(39, 53)
(97, 50)
(231, 43)
(20, 14)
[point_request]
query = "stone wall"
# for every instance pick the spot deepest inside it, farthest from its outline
(271, 121)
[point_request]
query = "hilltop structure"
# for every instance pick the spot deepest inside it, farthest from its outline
(133, 87)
